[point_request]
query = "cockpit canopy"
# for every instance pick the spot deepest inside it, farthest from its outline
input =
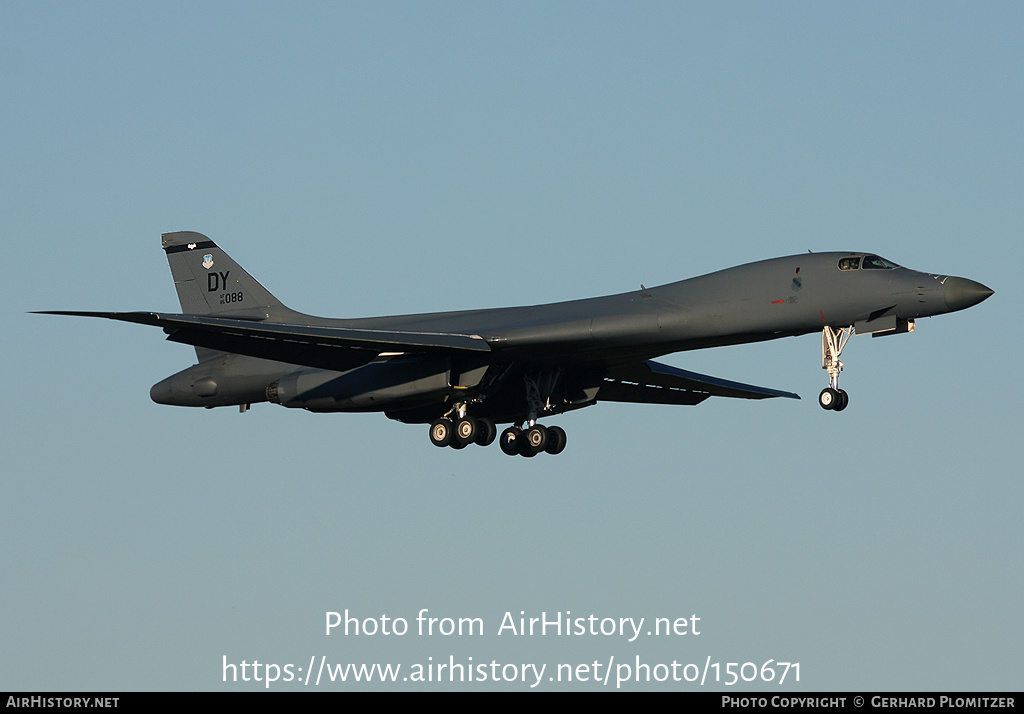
(865, 262)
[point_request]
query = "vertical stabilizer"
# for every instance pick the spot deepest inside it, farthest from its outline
(209, 282)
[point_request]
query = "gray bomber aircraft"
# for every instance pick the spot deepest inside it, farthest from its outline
(463, 372)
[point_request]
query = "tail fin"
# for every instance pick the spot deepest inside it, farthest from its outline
(209, 282)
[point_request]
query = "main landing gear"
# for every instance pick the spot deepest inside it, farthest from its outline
(832, 343)
(534, 440)
(462, 431)
(526, 438)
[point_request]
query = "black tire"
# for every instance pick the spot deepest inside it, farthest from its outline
(486, 432)
(556, 440)
(466, 430)
(828, 398)
(441, 432)
(511, 439)
(843, 401)
(536, 439)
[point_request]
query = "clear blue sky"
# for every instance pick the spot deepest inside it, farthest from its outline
(378, 158)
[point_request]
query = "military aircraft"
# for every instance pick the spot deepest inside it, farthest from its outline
(463, 372)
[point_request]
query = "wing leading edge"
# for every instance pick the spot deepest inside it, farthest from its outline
(651, 382)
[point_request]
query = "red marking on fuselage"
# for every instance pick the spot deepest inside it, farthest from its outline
(776, 302)
(822, 316)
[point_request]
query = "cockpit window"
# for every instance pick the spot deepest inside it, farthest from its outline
(849, 263)
(873, 262)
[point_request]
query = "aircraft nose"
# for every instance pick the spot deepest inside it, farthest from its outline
(961, 293)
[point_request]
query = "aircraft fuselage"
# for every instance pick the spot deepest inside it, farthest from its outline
(758, 301)
(464, 371)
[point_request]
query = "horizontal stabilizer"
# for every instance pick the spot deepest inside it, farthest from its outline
(323, 347)
(651, 382)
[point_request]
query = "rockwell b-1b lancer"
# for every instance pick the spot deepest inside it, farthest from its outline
(464, 372)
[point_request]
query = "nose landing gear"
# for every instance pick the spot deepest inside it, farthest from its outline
(832, 343)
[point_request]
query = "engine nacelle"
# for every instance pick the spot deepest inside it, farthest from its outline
(400, 380)
(226, 380)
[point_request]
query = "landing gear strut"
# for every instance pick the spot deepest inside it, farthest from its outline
(832, 343)
(534, 438)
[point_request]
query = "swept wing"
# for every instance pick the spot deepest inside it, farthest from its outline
(650, 382)
(336, 348)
